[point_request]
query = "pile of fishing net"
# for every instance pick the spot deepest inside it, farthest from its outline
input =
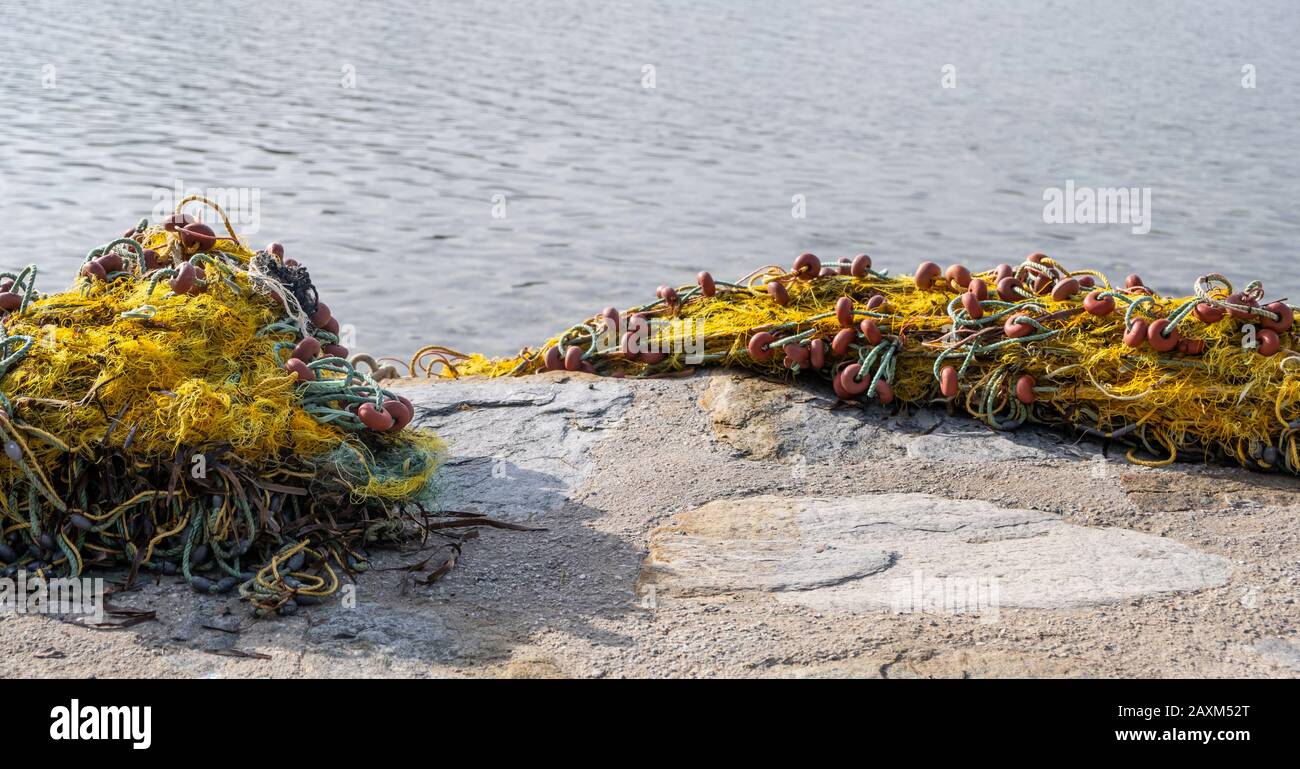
(1210, 376)
(186, 407)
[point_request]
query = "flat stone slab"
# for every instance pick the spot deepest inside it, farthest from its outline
(983, 446)
(912, 553)
(517, 446)
(770, 420)
(765, 420)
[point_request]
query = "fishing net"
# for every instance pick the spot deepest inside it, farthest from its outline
(187, 407)
(1210, 376)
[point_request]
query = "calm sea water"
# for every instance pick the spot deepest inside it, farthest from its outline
(382, 138)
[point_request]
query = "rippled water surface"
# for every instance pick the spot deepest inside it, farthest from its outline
(377, 136)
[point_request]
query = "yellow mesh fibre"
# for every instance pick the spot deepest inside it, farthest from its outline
(159, 430)
(195, 374)
(1228, 401)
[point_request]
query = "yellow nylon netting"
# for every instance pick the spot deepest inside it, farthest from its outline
(1228, 390)
(161, 430)
(196, 373)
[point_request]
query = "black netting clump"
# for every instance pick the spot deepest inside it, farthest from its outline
(293, 276)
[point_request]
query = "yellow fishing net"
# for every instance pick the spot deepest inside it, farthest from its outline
(187, 407)
(1211, 375)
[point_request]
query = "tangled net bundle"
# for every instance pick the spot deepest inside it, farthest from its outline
(187, 408)
(1210, 376)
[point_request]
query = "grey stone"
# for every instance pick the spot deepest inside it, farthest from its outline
(1280, 651)
(915, 553)
(971, 446)
(722, 547)
(775, 420)
(772, 420)
(517, 446)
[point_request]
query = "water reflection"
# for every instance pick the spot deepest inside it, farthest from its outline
(385, 188)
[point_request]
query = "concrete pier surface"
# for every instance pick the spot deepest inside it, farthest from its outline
(722, 525)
